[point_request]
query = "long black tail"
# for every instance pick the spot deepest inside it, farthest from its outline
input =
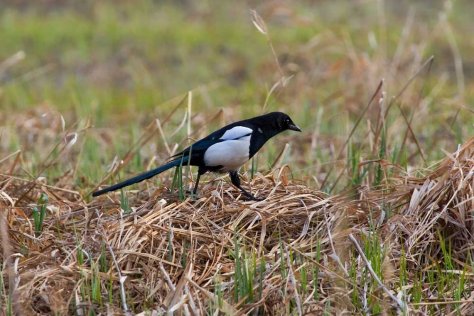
(141, 177)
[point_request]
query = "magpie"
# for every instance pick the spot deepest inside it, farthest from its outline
(225, 150)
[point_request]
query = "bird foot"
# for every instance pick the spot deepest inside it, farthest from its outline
(251, 197)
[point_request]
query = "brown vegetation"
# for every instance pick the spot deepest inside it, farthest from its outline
(176, 251)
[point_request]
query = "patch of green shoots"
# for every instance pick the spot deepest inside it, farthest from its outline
(184, 254)
(441, 281)
(315, 271)
(403, 278)
(417, 289)
(110, 290)
(354, 160)
(375, 253)
(219, 294)
(327, 308)
(103, 264)
(9, 306)
(39, 213)
(357, 173)
(254, 166)
(446, 250)
(96, 294)
(124, 202)
(170, 244)
(355, 297)
(459, 290)
(248, 271)
(178, 181)
(6, 297)
(303, 277)
(446, 271)
(382, 150)
(80, 255)
(283, 268)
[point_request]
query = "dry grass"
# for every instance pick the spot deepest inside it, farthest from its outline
(440, 202)
(173, 255)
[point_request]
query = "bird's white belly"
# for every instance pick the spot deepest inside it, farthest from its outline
(230, 154)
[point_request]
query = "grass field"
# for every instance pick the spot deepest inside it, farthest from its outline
(369, 210)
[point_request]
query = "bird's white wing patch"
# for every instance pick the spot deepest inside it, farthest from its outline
(230, 154)
(236, 133)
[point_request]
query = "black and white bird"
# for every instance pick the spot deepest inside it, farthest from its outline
(225, 150)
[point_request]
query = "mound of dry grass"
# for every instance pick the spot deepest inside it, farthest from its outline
(194, 242)
(172, 253)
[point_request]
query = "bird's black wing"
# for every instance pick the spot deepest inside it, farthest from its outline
(196, 151)
(194, 154)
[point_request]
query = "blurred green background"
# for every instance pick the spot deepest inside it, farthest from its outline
(112, 67)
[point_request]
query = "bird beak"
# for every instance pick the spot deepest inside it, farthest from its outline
(293, 127)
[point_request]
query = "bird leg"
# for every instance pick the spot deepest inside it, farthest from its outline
(234, 177)
(201, 171)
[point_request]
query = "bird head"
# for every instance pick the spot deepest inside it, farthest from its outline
(284, 122)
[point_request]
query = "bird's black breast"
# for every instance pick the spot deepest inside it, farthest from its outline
(257, 140)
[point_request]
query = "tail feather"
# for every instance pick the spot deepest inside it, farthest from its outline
(141, 177)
